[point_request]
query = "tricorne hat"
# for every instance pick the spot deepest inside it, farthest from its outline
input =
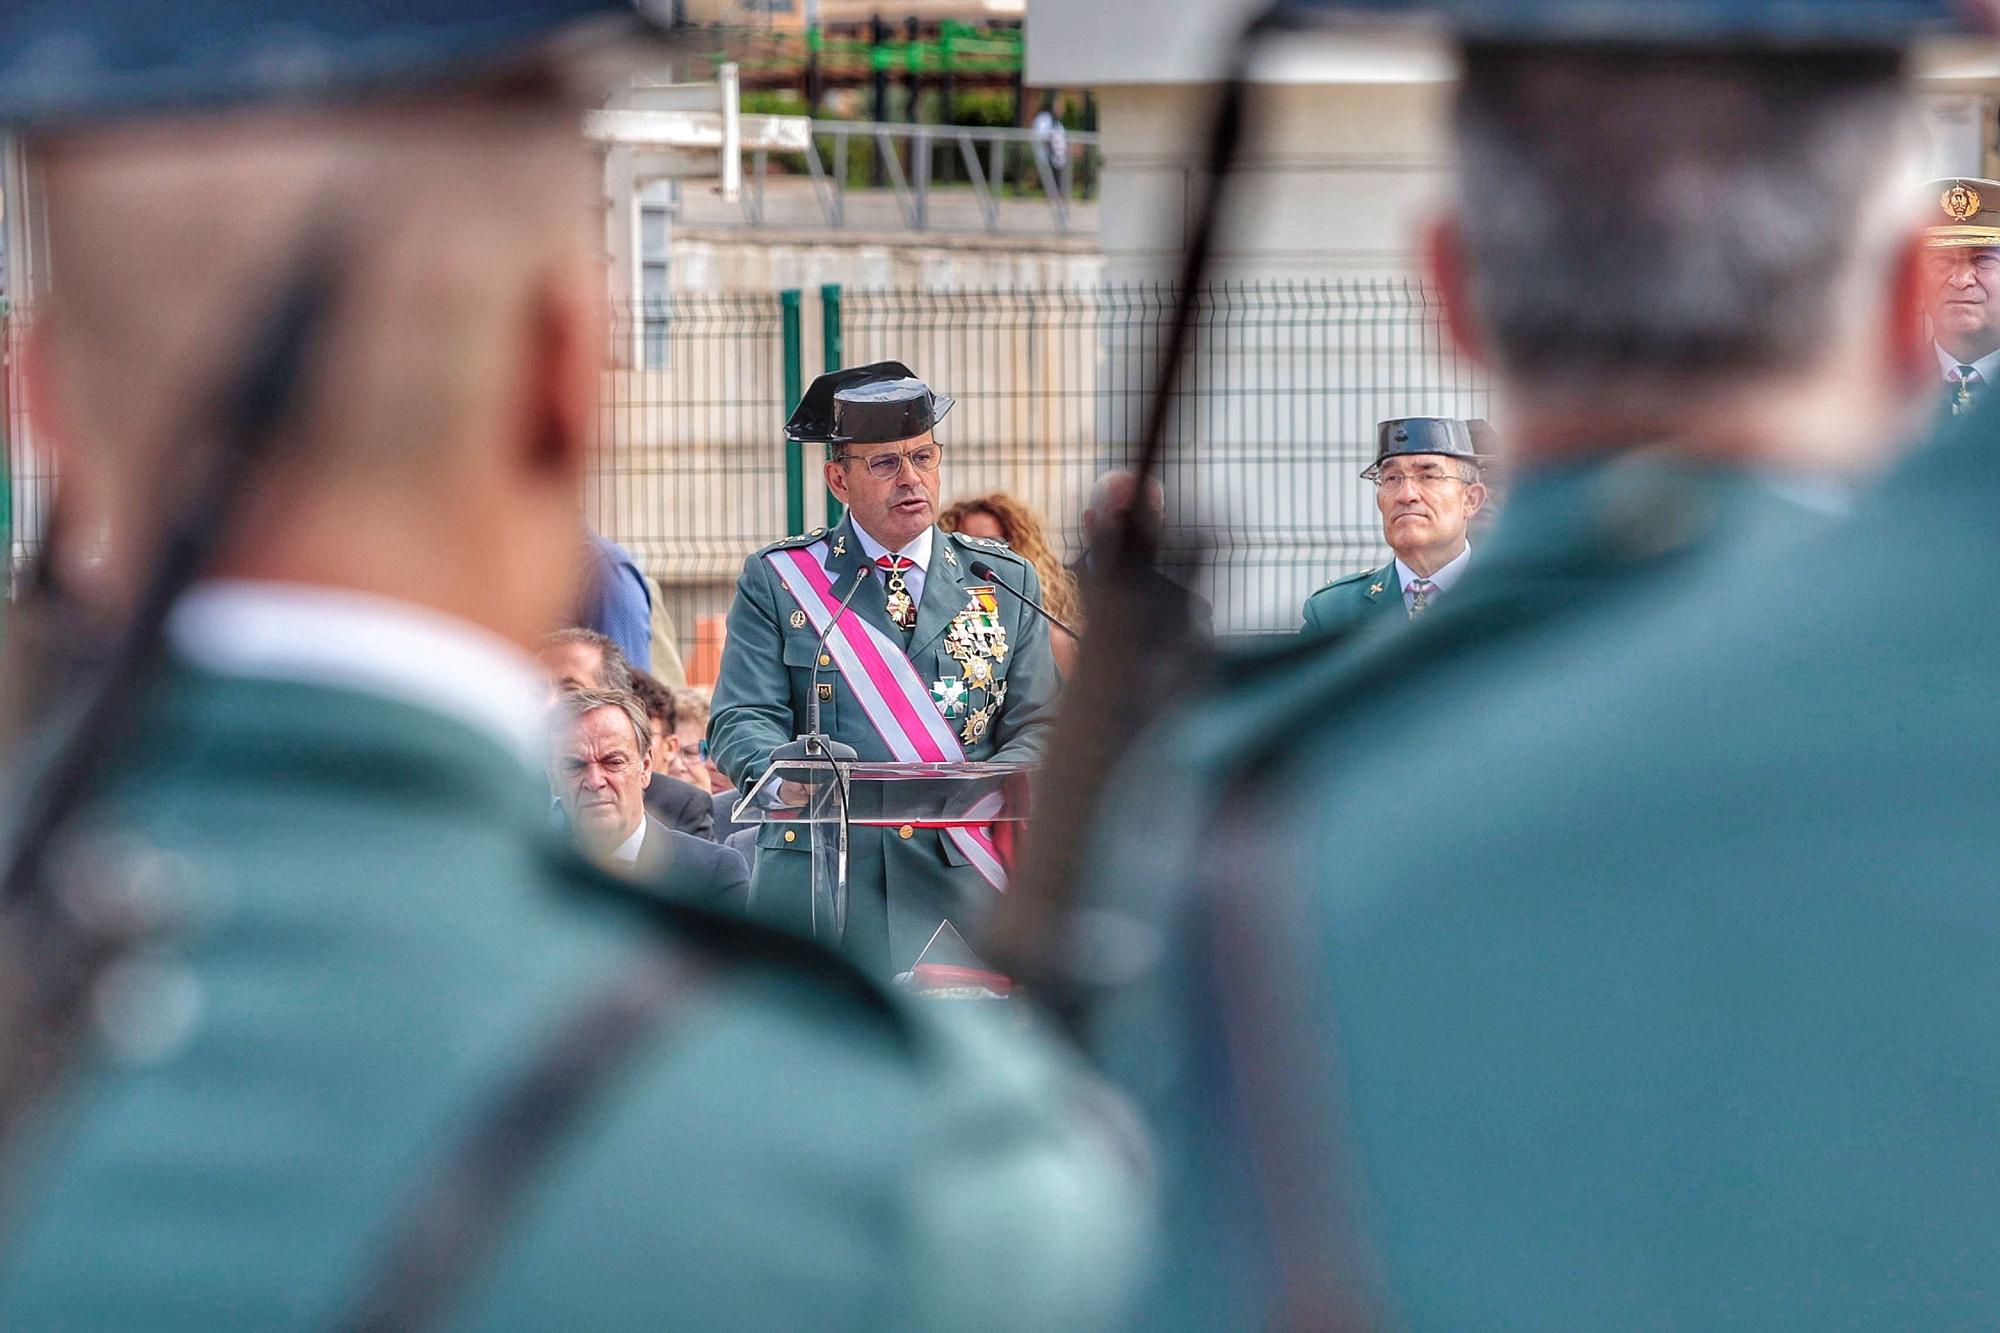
(1446, 436)
(873, 404)
(1964, 212)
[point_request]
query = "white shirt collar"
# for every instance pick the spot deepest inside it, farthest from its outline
(358, 641)
(1442, 580)
(627, 852)
(1988, 366)
(918, 551)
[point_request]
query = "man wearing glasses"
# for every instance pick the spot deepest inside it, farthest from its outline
(1427, 487)
(1962, 285)
(928, 662)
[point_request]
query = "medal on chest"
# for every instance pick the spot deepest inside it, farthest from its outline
(900, 606)
(976, 640)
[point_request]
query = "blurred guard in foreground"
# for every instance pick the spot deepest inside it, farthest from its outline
(394, 1057)
(1436, 1038)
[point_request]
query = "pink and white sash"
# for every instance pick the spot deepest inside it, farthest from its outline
(892, 694)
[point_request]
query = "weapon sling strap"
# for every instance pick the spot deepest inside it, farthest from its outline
(452, 1223)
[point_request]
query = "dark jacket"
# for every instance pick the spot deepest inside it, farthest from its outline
(681, 805)
(688, 869)
(1344, 605)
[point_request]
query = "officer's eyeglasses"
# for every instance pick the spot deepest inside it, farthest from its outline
(924, 458)
(1426, 479)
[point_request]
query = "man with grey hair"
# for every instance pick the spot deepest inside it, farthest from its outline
(1686, 270)
(600, 764)
(577, 658)
(1116, 493)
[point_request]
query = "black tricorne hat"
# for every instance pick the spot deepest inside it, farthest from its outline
(873, 404)
(1447, 436)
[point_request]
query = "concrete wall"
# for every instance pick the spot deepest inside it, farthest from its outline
(714, 261)
(1332, 182)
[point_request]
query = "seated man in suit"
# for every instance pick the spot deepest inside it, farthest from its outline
(1428, 490)
(600, 765)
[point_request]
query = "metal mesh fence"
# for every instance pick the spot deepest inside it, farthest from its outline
(1273, 421)
(690, 473)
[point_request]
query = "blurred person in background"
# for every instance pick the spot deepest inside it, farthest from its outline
(676, 802)
(1112, 495)
(577, 658)
(687, 747)
(1000, 517)
(617, 599)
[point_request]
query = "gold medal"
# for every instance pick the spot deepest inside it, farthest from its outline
(975, 726)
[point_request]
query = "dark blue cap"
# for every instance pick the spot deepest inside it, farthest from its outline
(1787, 24)
(63, 60)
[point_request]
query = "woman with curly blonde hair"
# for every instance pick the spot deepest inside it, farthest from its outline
(1001, 515)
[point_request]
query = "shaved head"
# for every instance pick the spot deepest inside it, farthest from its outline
(463, 336)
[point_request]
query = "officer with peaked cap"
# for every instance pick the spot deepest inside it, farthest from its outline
(1489, 1063)
(389, 1056)
(966, 660)
(1428, 489)
(1962, 285)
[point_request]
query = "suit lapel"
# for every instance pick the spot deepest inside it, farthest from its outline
(944, 596)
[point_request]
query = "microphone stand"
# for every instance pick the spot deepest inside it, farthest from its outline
(985, 571)
(814, 745)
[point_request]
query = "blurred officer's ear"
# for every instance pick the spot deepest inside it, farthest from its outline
(563, 357)
(1908, 340)
(1442, 255)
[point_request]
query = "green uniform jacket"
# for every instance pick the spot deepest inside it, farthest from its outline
(379, 934)
(1345, 605)
(899, 889)
(1306, 756)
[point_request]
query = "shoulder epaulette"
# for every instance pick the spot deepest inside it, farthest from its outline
(993, 544)
(1364, 575)
(802, 539)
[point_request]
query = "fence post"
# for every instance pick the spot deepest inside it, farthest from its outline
(795, 463)
(829, 327)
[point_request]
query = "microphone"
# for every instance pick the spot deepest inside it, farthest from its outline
(813, 744)
(985, 571)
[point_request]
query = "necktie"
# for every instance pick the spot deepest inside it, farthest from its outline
(1967, 384)
(1421, 591)
(902, 607)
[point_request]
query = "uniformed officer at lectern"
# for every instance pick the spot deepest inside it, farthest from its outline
(930, 663)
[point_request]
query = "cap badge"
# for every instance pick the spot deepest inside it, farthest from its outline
(1961, 202)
